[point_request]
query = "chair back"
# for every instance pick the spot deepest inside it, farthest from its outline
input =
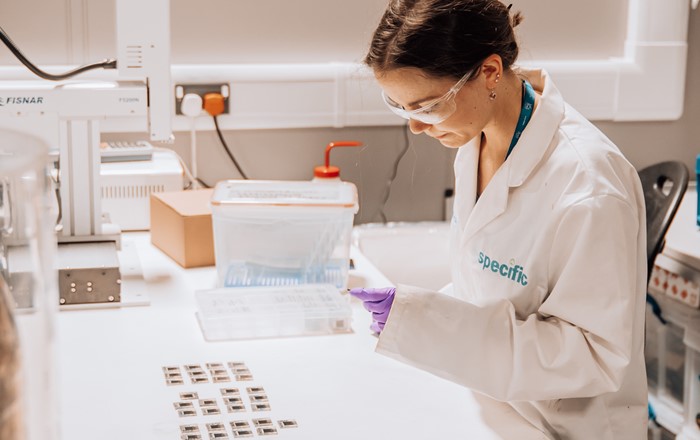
(664, 184)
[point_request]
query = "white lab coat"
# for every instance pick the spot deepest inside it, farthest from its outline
(549, 274)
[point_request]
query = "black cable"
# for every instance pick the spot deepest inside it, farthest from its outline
(201, 182)
(394, 172)
(223, 143)
(197, 180)
(106, 64)
(655, 308)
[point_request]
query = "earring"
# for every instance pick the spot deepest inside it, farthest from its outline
(492, 95)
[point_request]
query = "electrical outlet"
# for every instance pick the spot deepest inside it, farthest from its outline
(200, 89)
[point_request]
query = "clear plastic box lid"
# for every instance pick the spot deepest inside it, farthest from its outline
(285, 193)
(268, 312)
(251, 302)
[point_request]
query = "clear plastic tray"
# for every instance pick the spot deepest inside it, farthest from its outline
(269, 312)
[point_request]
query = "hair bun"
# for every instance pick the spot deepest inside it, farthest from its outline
(517, 17)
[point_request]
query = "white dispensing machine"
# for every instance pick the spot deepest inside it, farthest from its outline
(66, 113)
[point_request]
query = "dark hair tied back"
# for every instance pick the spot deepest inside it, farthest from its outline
(443, 37)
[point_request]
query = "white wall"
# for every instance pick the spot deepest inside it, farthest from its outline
(601, 53)
(584, 30)
(273, 31)
(283, 31)
(645, 143)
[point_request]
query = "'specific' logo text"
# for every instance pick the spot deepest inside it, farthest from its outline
(512, 271)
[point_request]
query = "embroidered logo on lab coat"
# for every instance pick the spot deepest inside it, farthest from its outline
(510, 270)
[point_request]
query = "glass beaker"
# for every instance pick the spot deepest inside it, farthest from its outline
(28, 290)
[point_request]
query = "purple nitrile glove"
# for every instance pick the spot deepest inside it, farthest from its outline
(378, 301)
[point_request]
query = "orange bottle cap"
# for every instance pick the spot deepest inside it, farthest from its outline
(326, 172)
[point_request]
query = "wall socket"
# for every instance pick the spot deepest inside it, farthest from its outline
(201, 89)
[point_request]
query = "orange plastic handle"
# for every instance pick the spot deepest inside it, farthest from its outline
(334, 144)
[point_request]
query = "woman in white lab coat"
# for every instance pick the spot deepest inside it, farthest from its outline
(545, 319)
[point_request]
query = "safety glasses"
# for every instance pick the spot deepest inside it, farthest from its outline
(436, 110)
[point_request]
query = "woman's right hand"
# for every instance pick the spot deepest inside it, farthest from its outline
(378, 301)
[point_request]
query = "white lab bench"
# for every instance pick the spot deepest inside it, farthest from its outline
(112, 386)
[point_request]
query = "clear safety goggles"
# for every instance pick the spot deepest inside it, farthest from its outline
(435, 111)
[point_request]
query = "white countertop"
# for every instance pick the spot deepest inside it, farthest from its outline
(336, 387)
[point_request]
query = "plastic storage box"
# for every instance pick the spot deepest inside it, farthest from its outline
(672, 353)
(691, 428)
(282, 233)
(267, 312)
(672, 350)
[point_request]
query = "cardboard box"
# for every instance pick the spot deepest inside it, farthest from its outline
(181, 226)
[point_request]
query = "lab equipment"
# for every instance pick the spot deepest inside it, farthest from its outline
(125, 151)
(262, 422)
(27, 333)
(378, 301)
(88, 273)
(266, 312)
(126, 187)
(327, 171)
(214, 410)
(66, 116)
(267, 430)
(672, 351)
(672, 354)
(282, 233)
